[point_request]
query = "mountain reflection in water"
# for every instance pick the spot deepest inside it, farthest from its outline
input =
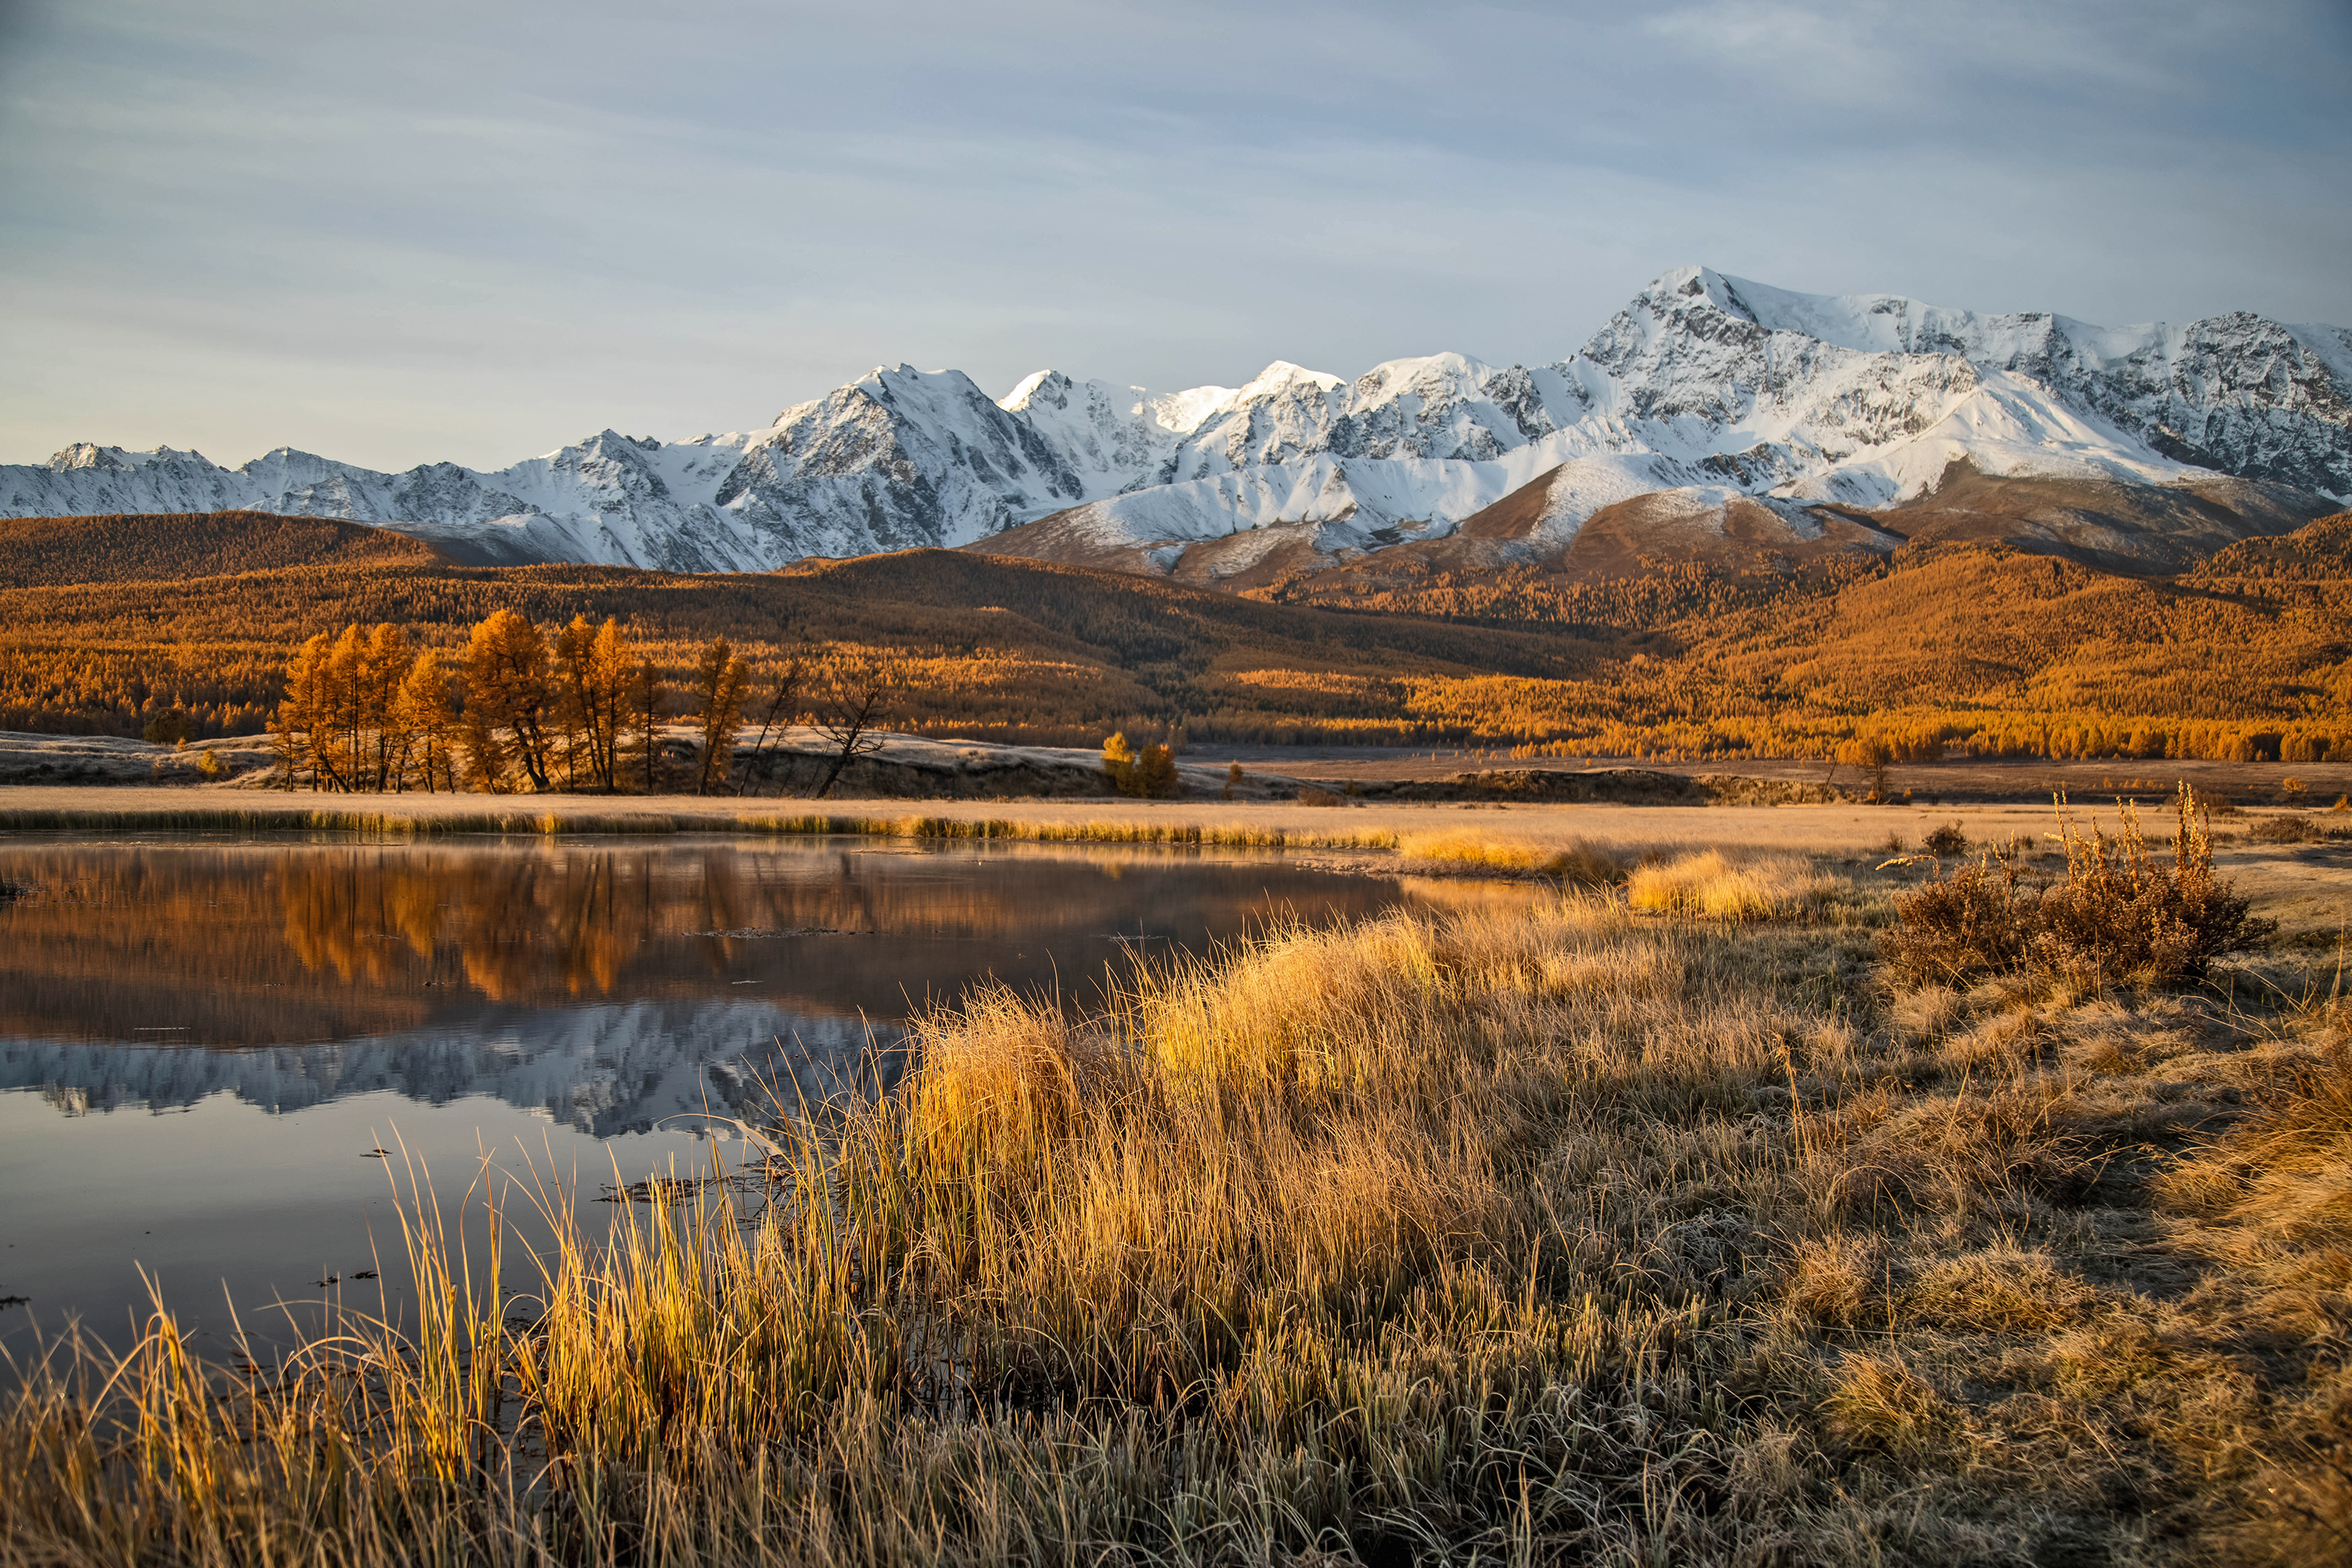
(156, 975)
(568, 1005)
(601, 1071)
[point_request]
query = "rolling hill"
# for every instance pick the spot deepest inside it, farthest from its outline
(1982, 645)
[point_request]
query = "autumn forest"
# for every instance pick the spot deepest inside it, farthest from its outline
(378, 665)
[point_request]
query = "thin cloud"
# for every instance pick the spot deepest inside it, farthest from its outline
(474, 232)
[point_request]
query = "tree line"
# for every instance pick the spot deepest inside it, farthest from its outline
(579, 708)
(1951, 650)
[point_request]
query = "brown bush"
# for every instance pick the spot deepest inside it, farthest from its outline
(2287, 830)
(1948, 841)
(2118, 915)
(1960, 927)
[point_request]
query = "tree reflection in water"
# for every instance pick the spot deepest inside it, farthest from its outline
(551, 972)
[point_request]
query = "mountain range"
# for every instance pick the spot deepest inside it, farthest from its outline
(1710, 415)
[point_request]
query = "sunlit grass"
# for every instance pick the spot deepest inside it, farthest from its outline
(750, 823)
(1711, 883)
(1575, 861)
(1553, 1233)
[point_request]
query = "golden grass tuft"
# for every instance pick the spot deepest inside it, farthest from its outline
(1877, 1403)
(1998, 1291)
(1574, 862)
(1711, 883)
(1838, 1281)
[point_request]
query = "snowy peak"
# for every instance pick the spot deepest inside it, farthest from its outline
(1110, 437)
(2237, 393)
(88, 455)
(1703, 381)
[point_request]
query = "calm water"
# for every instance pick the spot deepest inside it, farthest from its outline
(202, 1042)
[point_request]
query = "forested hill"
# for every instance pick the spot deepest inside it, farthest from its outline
(1983, 649)
(173, 547)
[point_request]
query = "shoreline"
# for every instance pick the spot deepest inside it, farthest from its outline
(1371, 826)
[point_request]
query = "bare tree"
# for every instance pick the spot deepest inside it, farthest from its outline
(789, 681)
(859, 700)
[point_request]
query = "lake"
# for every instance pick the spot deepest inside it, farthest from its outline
(222, 1060)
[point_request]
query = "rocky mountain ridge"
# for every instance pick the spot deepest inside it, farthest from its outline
(1714, 394)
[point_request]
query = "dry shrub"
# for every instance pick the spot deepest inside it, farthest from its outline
(1710, 883)
(1948, 841)
(2117, 916)
(1956, 929)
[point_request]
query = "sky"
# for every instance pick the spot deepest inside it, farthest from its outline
(472, 232)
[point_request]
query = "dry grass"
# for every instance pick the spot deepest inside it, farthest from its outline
(1564, 1235)
(540, 822)
(1712, 884)
(1575, 861)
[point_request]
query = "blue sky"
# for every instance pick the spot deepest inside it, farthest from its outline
(404, 233)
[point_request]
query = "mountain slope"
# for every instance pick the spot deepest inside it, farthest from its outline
(1709, 387)
(53, 550)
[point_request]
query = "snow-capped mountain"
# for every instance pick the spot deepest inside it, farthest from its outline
(1706, 385)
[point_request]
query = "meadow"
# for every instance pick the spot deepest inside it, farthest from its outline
(1689, 1216)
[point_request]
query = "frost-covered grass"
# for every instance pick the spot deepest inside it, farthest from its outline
(1549, 1235)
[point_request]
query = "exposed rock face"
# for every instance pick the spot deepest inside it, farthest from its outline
(1710, 386)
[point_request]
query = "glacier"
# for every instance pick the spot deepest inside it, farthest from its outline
(1702, 384)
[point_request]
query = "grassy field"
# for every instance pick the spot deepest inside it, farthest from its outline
(1662, 1223)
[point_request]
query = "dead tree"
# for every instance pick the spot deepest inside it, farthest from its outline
(789, 681)
(858, 705)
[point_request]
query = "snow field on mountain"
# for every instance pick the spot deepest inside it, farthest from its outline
(1702, 381)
